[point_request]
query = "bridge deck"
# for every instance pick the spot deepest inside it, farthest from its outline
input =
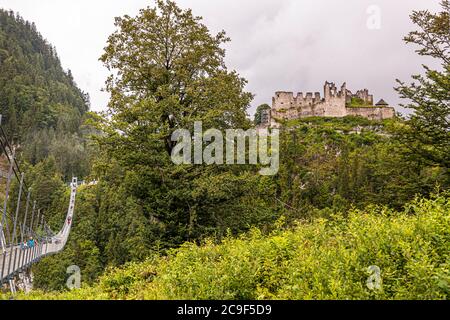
(16, 259)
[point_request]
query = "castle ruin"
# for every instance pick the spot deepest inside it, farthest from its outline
(334, 104)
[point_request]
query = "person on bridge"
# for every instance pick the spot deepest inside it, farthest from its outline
(23, 245)
(30, 243)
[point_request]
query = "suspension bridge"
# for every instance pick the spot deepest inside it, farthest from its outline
(25, 237)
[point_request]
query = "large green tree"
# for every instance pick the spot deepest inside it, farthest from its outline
(427, 133)
(168, 71)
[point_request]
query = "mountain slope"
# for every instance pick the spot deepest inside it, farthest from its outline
(42, 108)
(35, 92)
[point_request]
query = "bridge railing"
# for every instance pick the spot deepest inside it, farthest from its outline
(25, 219)
(17, 258)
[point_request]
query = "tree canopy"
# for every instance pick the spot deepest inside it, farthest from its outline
(170, 72)
(427, 133)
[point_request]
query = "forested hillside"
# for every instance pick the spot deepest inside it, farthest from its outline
(42, 108)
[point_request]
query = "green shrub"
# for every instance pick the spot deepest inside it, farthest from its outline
(323, 259)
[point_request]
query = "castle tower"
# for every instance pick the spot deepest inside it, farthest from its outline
(343, 92)
(327, 90)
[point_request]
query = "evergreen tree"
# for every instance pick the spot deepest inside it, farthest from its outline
(427, 133)
(258, 114)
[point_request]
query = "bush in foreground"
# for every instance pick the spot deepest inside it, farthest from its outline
(323, 259)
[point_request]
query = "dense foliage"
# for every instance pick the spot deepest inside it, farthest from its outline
(324, 259)
(326, 166)
(338, 163)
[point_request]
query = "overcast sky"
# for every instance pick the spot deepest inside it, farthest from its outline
(277, 45)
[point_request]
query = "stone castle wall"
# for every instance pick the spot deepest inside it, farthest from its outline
(375, 113)
(334, 104)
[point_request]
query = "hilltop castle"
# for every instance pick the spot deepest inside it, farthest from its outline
(334, 104)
